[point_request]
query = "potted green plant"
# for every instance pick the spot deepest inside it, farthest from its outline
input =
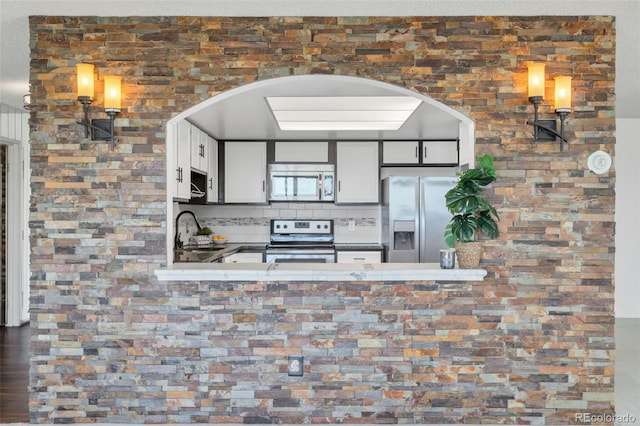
(472, 214)
(204, 231)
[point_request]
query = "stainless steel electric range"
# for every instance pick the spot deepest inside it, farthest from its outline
(301, 241)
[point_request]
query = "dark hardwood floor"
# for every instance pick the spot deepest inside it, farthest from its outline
(14, 374)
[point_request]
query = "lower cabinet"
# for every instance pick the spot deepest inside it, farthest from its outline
(359, 256)
(250, 257)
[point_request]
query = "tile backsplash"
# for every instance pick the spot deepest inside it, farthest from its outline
(250, 223)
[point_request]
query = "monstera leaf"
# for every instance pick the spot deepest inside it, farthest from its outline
(471, 213)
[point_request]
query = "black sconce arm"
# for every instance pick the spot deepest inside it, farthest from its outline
(548, 129)
(106, 134)
(110, 137)
(538, 125)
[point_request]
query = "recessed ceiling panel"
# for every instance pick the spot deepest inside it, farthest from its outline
(321, 113)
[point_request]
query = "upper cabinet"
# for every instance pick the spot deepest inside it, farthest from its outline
(245, 172)
(302, 152)
(182, 160)
(212, 172)
(199, 148)
(424, 153)
(357, 172)
(440, 152)
(401, 152)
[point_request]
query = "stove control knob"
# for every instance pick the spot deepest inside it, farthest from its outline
(326, 227)
(318, 226)
(286, 226)
(277, 226)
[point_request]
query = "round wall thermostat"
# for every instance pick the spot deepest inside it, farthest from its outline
(599, 162)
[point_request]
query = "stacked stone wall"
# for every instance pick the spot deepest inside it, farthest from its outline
(533, 343)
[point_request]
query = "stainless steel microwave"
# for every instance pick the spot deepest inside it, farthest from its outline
(301, 182)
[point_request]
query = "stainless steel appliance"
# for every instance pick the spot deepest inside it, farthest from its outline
(301, 182)
(301, 241)
(414, 215)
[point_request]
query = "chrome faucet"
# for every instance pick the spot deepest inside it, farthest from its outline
(177, 242)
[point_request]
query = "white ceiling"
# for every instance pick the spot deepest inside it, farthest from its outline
(14, 29)
(225, 116)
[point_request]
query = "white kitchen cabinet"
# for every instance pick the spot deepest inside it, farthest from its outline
(420, 152)
(199, 155)
(212, 171)
(245, 172)
(243, 258)
(182, 160)
(357, 172)
(302, 152)
(439, 152)
(401, 152)
(359, 256)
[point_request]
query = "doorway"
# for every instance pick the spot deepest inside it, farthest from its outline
(14, 216)
(3, 235)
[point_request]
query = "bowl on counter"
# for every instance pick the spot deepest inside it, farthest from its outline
(219, 241)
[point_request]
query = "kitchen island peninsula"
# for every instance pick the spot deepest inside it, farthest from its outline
(377, 341)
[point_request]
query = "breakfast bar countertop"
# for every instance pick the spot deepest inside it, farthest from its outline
(315, 272)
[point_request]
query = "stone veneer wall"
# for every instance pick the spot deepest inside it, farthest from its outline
(534, 342)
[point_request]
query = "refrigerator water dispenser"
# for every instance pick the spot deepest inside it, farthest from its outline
(404, 232)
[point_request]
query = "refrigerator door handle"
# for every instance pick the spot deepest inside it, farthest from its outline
(422, 234)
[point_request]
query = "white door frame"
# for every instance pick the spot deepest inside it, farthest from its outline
(17, 196)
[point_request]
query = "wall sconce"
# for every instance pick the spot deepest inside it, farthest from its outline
(545, 130)
(101, 129)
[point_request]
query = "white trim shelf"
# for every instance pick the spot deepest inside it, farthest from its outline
(315, 272)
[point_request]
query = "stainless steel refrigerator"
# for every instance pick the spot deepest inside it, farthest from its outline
(414, 215)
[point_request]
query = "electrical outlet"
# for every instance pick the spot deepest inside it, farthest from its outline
(352, 225)
(295, 365)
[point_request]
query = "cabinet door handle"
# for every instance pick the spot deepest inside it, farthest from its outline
(425, 152)
(179, 170)
(210, 183)
(264, 185)
(339, 186)
(416, 152)
(201, 150)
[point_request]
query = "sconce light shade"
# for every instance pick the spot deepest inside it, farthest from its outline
(112, 93)
(99, 129)
(536, 80)
(85, 80)
(546, 129)
(562, 94)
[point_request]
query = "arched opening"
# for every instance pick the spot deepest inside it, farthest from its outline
(243, 114)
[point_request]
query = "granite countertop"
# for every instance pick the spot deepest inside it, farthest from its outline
(213, 254)
(315, 272)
